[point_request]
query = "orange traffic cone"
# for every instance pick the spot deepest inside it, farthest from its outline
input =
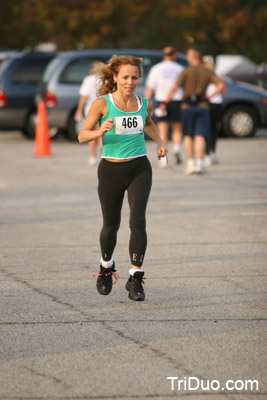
(42, 139)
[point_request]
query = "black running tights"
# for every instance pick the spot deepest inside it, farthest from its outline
(114, 178)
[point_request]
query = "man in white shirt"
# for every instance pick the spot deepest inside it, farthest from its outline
(88, 93)
(161, 78)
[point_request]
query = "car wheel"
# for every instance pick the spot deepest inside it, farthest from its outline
(240, 122)
(73, 129)
(30, 127)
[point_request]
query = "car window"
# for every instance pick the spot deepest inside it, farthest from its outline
(3, 64)
(147, 63)
(76, 70)
(50, 69)
(29, 71)
(182, 61)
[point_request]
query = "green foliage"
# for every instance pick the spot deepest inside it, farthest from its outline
(216, 26)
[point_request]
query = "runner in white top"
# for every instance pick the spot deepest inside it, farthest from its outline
(215, 114)
(161, 78)
(88, 90)
(88, 93)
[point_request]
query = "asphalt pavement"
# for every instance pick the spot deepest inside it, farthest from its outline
(203, 323)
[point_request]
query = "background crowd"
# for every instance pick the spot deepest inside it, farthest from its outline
(187, 107)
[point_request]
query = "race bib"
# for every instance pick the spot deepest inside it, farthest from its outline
(129, 125)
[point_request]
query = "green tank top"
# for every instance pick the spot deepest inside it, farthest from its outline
(127, 139)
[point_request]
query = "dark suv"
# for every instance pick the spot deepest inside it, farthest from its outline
(19, 76)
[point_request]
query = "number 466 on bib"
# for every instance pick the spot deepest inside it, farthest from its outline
(129, 125)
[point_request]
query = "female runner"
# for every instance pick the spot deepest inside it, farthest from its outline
(123, 117)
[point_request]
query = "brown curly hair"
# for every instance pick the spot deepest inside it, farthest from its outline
(107, 71)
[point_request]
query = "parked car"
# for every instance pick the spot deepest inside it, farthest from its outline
(244, 106)
(6, 54)
(19, 76)
(259, 79)
(244, 109)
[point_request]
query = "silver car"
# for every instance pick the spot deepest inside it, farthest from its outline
(244, 107)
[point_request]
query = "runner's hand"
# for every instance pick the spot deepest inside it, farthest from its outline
(78, 116)
(162, 106)
(108, 125)
(162, 150)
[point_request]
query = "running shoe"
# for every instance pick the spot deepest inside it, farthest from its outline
(207, 161)
(177, 157)
(104, 281)
(190, 168)
(134, 286)
(214, 158)
(200, 169)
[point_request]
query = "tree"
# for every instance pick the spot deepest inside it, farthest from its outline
(216, 26)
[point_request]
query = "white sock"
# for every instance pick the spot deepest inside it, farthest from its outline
(200, 163)
(106, 264)
(190, 162)
(176, 148)
(132, 270)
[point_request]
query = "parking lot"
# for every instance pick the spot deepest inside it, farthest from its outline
(204, 316)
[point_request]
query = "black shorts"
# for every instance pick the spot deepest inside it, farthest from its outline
(173, 112)
(196, 122)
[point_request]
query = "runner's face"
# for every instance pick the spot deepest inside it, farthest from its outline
(127, 79)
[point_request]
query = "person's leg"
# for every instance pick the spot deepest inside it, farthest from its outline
(213, 122)
(92, 152)
(202, 135)
(163, 128)
(138, 194)
(92, 149)
(174, 113)
(216, 109)
(188, 124)
(189, 147)
(111, 192)
(177, 140)
(200, 146)
(176, 133)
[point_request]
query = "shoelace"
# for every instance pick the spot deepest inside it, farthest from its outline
(138, 284)
(116, 276)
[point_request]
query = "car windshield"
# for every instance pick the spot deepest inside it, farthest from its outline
(29, 71)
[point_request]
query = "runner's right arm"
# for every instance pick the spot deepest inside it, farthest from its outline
(97, 110)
